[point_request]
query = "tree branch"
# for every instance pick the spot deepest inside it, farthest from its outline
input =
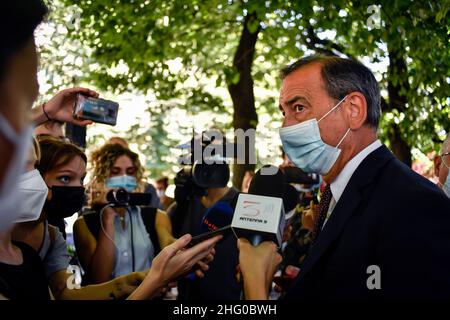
(324, 46)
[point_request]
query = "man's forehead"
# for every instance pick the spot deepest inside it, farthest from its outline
(296, 92)
(304, 81)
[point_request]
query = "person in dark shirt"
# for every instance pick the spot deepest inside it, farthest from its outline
(24, 281)
(220, 282)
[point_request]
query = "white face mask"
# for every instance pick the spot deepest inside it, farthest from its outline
(9, 195)
(33, 193)
(160, 193)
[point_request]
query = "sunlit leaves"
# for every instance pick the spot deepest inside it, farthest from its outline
(203, 35)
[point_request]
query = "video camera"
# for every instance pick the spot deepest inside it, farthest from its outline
(122, 198)
(307, 184)
(297, 175)
(201, 172)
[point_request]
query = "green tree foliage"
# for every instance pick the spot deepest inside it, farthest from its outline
(242, 44)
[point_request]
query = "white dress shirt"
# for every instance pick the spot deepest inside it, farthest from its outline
(338, 185)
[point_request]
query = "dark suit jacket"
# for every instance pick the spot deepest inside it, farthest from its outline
(387, 216)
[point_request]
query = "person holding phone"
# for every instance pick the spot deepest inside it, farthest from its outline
(220, 283)
(59, 165)
(18, 91)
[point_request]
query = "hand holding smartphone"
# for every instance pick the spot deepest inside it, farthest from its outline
(204, 236)
(97, 110)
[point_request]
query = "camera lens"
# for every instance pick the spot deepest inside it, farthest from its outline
(122, 196)
(118, 197)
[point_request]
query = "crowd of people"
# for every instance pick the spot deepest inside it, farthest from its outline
(365, 208)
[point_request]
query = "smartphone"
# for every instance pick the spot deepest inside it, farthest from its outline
(97, 110)
(204, 236)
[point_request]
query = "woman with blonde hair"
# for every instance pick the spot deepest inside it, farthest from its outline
(111, 240)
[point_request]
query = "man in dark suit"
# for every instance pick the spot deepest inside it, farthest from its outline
(383, 231)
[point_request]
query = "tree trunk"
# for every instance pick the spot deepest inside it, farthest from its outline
(397, 100)
(399, 146)
(242, 94)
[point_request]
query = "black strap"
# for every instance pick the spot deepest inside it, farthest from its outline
(52, 234)
(92, 220)
(148, 215)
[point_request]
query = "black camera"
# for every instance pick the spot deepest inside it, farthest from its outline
(200, 173)
(297, 175)
(122, 198)
(310, 181)
(204, 175)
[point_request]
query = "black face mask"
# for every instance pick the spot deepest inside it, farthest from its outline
(65, 201)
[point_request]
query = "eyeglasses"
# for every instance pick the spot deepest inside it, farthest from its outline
(445, 160)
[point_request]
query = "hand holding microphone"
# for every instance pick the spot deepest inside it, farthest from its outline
(258, 222)
(258, 265)
(259, 215)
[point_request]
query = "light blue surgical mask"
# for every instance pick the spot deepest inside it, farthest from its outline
(127, 182)
(306, 149)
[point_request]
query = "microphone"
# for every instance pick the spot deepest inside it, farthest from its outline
(217, 220)
(217, 217)
(268, 181)
(259, 215)
(290, 199)
(275, 184)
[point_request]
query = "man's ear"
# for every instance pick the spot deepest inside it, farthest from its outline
(356, 109)
(437, 164)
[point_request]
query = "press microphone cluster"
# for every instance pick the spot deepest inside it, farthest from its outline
(259, 215)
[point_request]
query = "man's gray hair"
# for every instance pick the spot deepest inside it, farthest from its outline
(342, 76)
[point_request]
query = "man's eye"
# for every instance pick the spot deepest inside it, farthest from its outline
(298, 108)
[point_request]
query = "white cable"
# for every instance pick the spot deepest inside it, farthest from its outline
(103, 229)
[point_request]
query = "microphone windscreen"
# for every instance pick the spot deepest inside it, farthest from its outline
(268, 181)
(290, 198)
(216, 217)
